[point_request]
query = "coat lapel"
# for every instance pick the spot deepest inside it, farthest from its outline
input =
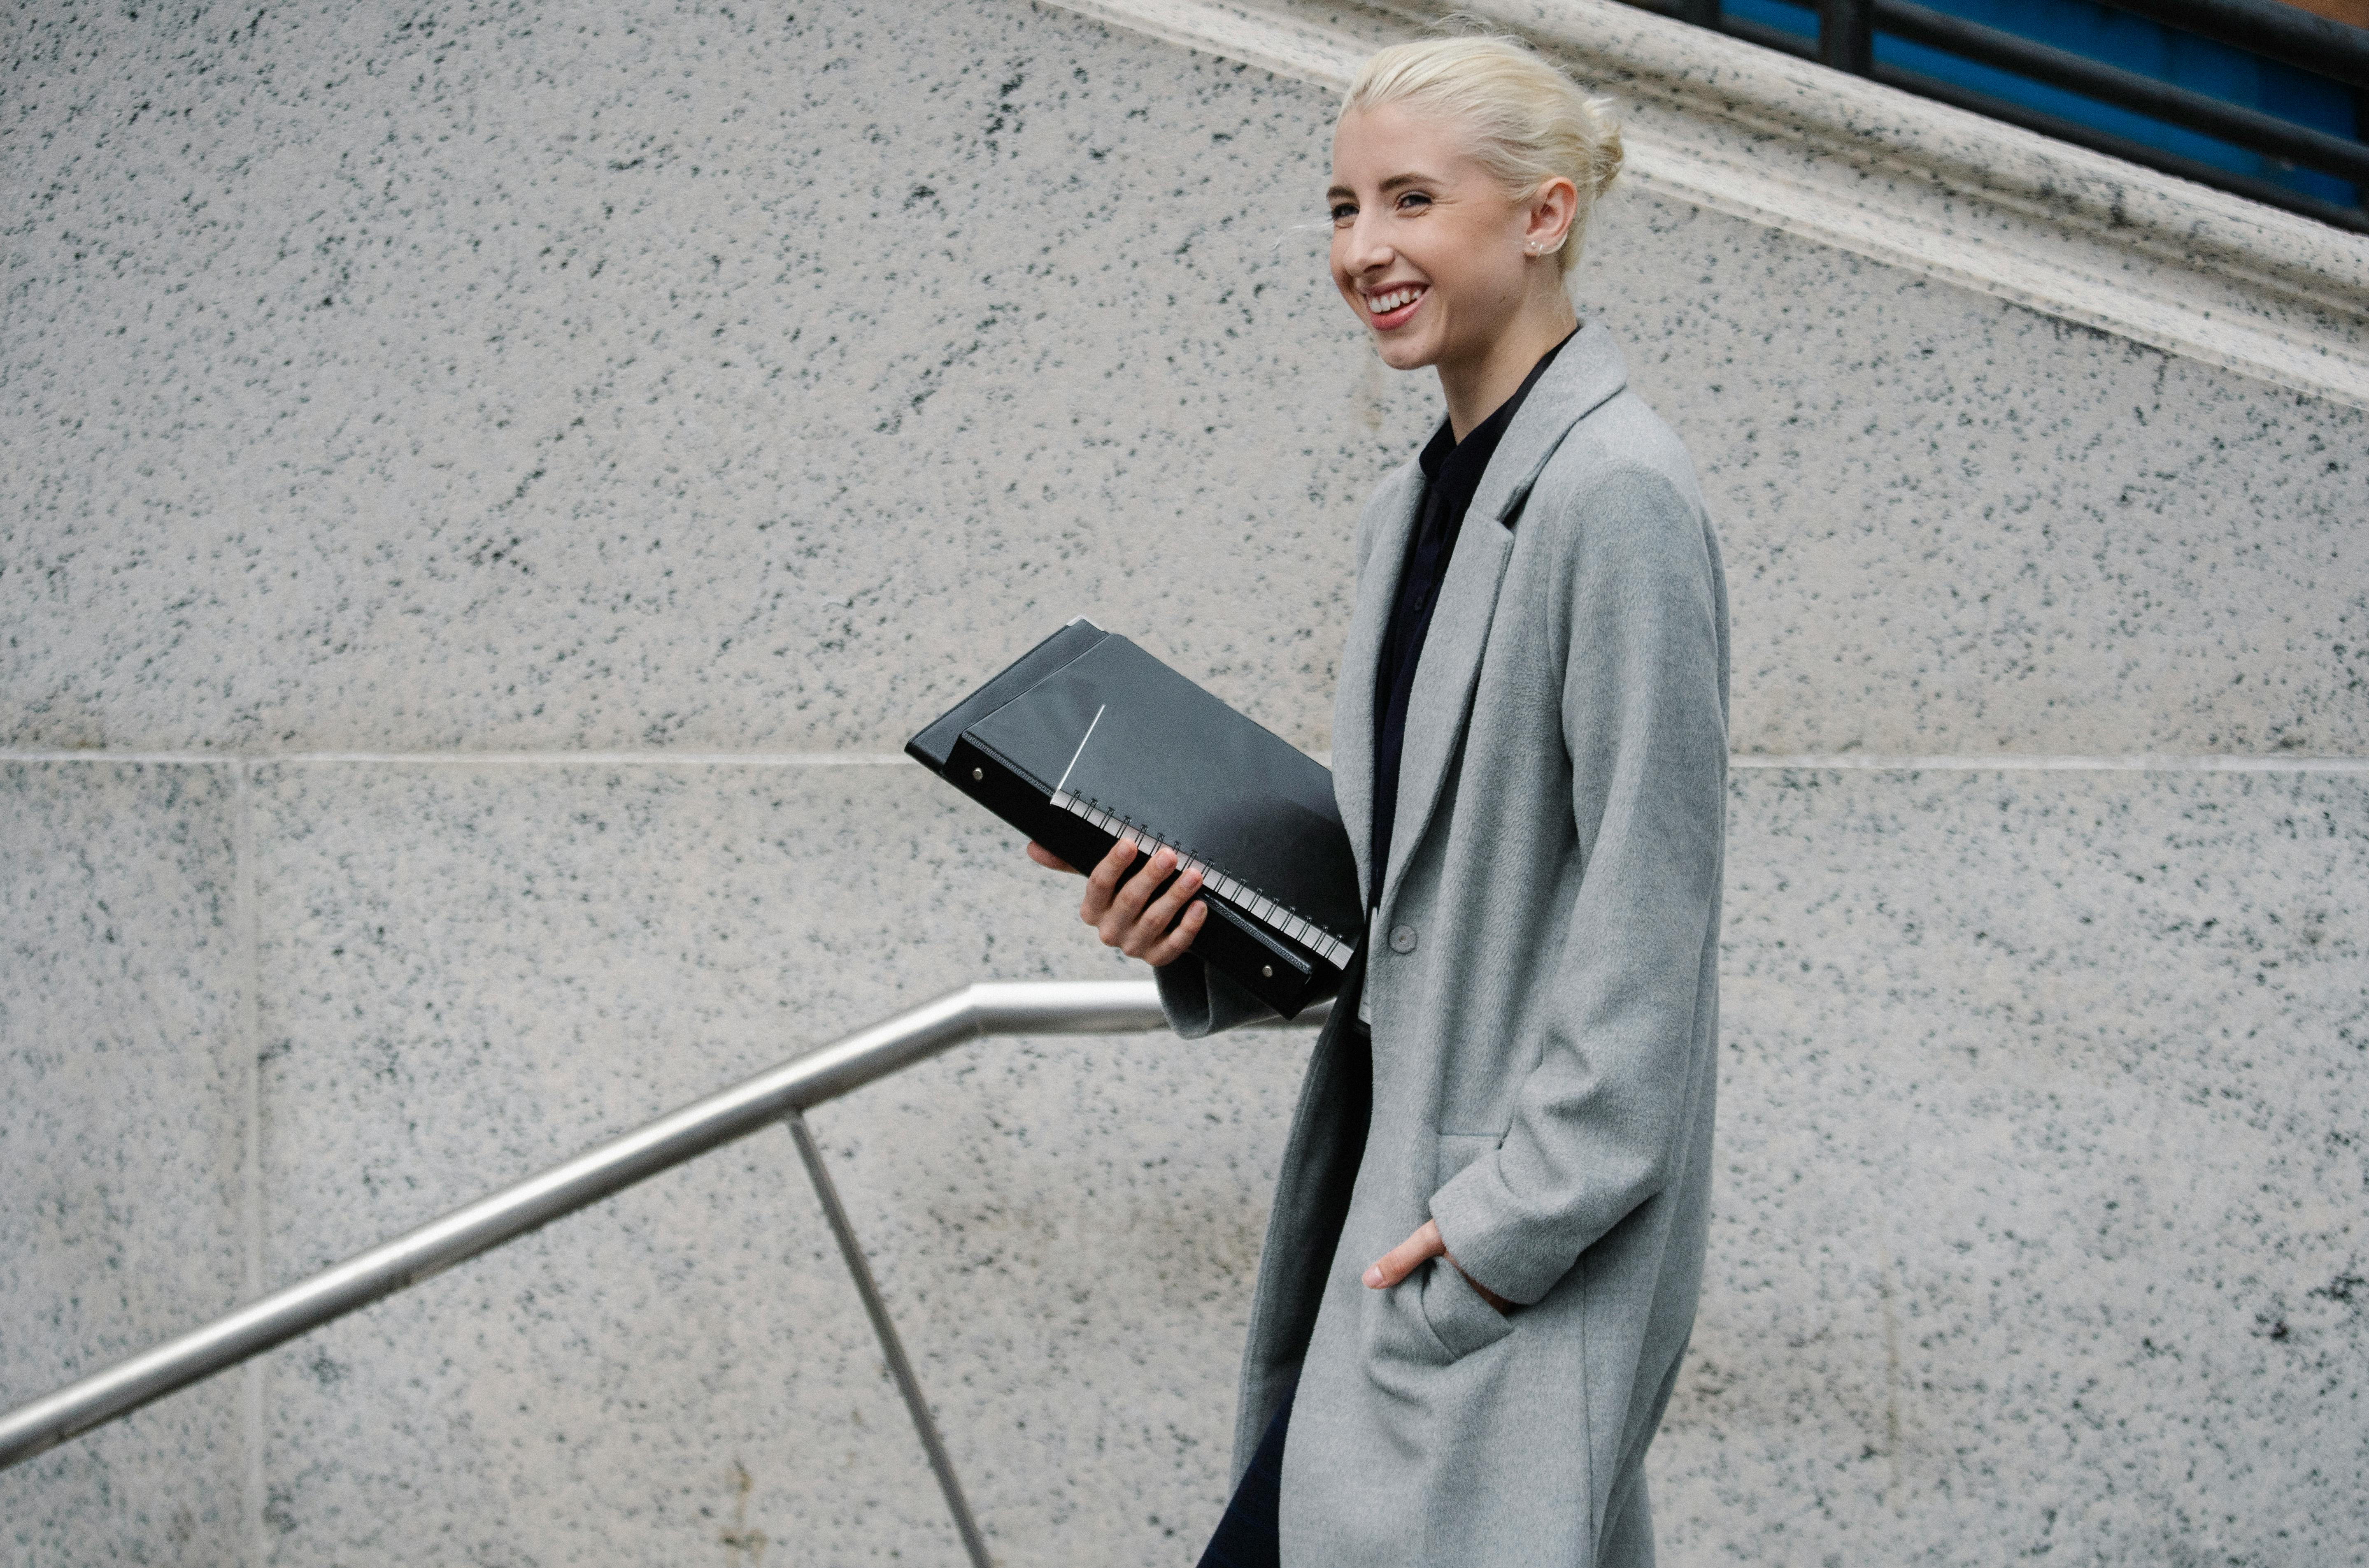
(1361, 663)
(1588, 370)
(1444, 677)
(1582, 376)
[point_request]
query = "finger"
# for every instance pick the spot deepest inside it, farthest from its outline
(1152, 926)
(1048, 859)
(1171, 946)
(1404, 1259)
(1103, 881)
(1127, 904)
(1176, 943)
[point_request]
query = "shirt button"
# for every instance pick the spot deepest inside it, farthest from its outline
(1401, 938)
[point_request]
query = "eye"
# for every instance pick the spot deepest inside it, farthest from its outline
(1344, 211)
(1413, 201)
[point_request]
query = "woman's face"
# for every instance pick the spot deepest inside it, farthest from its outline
(1427, 248)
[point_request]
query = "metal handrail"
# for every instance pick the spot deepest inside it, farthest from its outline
(782, 1094)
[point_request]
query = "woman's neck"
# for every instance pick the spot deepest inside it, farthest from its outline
(1475, 387)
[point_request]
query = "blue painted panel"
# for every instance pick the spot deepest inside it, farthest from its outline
(2134, 43)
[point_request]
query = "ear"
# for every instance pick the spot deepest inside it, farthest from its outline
(1547, 217)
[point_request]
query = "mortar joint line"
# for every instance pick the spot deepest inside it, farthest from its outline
(1848, 761)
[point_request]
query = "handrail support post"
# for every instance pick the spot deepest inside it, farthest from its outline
(893, 1349)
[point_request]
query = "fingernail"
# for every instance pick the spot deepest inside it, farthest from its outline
(1374, 1276)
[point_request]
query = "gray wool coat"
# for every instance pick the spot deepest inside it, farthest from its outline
(1540, 979)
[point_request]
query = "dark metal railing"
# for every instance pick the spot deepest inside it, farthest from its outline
(1846, 31)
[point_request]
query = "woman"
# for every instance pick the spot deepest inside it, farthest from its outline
(1487, 1238)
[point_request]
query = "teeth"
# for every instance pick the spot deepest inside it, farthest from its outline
(1383, 304)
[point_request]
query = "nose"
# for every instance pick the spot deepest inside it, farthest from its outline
(1363, 248)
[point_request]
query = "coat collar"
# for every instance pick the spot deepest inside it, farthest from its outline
(1586, 372)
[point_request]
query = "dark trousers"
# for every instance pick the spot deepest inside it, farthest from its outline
(1246, 1535)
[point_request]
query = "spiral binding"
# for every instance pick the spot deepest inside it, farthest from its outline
(1301, 929)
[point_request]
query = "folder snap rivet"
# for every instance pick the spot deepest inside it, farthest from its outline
(979, 775)
(1268, 970)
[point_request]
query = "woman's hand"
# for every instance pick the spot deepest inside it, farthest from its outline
(1403, 1260)
(1124, 914)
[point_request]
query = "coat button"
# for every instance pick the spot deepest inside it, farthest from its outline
(1401, 938)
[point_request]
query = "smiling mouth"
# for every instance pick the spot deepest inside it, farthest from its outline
(1393, 306)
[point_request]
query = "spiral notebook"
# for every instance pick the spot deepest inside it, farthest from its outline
(1086, 740)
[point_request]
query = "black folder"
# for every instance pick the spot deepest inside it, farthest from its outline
(1087, 739)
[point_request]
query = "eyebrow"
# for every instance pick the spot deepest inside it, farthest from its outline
(1389, 185)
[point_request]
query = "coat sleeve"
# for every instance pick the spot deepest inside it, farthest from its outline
(1199, 1000)
(1597, 1122)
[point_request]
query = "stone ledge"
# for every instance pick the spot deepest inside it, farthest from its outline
(1885, 174)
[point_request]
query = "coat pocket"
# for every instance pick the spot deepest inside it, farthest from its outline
(1458, 1319)
(1457, 1316)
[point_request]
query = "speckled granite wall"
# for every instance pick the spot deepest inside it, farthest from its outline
(2041, 1227)
(126, 1094)
(687, 382)
(728, 383)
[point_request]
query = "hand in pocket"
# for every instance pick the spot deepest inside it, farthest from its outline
(1410, 1253)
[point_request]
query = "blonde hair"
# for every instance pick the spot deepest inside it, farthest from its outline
(1529, 122)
